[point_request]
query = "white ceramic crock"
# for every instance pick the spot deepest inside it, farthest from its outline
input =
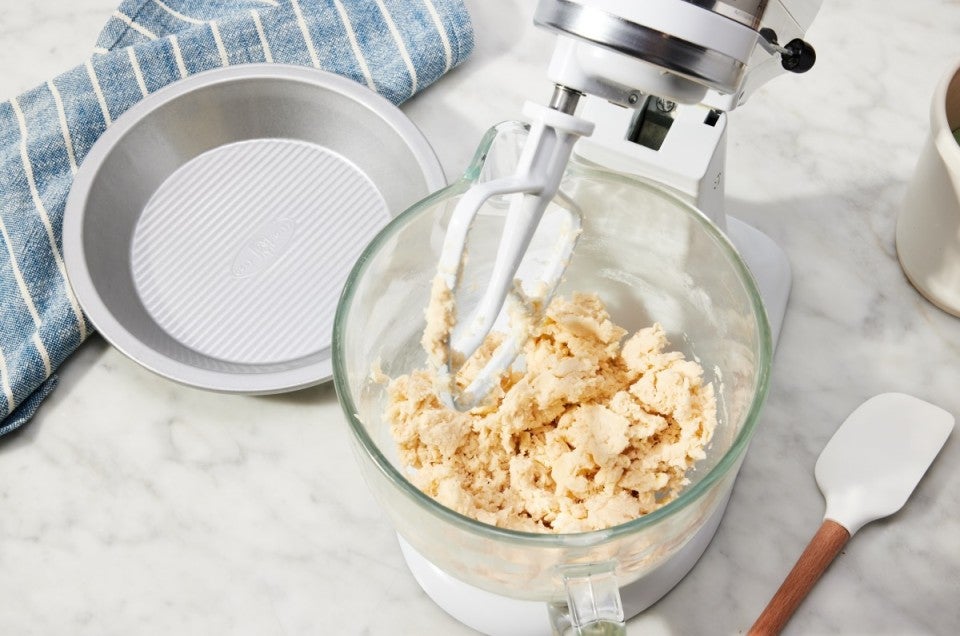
(928, 227)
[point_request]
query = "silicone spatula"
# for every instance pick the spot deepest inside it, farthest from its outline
(866, 471)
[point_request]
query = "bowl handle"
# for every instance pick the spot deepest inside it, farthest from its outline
(593, 606)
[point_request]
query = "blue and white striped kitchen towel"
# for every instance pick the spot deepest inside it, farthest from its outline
(395, 47)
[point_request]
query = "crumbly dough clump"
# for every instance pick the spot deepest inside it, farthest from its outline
(590, 434)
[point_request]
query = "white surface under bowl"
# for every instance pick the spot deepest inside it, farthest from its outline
(210, 229)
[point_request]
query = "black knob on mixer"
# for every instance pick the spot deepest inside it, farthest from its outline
(798, 56)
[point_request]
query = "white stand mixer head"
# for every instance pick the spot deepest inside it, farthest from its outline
(714, 52)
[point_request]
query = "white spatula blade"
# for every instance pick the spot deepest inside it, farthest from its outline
(878, 455)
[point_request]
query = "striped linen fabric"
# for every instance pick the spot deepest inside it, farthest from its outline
(394, 47)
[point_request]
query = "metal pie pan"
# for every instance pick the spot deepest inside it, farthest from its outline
(210, 229)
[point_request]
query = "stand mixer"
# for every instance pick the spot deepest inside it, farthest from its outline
(624, 199)
(653, 82)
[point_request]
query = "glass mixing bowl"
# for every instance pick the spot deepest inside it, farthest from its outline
(651, 257)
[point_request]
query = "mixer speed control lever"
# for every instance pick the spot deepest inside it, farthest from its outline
(797, 56)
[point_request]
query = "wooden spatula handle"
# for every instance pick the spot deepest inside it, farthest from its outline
(819, 553)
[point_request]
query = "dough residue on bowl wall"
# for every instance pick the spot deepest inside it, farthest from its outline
(592, 432)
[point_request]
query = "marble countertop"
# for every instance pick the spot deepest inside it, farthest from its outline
(132, 505)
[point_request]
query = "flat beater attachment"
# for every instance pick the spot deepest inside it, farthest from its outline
(531, 188)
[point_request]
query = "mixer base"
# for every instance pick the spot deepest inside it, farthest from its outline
(769, 265)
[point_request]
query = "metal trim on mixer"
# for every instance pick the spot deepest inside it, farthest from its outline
(711, 68)
(746, 12)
